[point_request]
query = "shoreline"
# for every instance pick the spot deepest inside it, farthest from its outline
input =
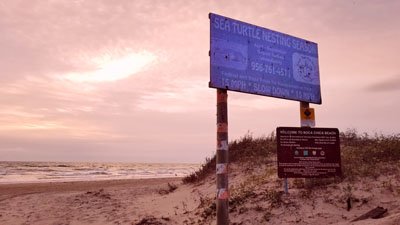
(44, 181)
(46, 172)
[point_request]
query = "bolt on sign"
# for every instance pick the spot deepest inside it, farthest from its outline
(256, 60)
(305, 152)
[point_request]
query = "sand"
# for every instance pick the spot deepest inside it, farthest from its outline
(94, 202)
(257, 199)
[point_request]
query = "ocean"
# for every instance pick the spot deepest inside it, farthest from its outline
(34, 172)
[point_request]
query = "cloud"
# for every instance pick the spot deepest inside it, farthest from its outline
(47, 37)
(180, 97)
(112, 69)
(388, 85)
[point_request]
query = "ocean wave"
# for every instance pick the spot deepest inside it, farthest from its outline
(17, 172)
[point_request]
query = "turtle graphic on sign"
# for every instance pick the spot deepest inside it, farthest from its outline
(305, 69)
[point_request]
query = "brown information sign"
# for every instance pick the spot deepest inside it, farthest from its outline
(308, 152)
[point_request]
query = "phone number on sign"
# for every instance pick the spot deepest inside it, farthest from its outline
(269, 69)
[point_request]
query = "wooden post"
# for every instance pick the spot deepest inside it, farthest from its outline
(222, 201)
(303, 105)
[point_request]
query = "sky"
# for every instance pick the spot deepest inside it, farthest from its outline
(127, 80)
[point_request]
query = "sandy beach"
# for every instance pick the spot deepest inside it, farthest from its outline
(94, 202)
(257, 198)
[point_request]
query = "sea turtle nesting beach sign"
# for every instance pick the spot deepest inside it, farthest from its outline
(251, 59)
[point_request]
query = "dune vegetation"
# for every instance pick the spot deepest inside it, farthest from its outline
(371, 178)
(363, 155)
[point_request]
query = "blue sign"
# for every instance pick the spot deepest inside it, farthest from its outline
(256, 60)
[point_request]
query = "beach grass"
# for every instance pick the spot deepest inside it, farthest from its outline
(362, 155)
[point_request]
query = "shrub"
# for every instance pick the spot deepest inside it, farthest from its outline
(364, 155)
(206, 168)
(246, 149)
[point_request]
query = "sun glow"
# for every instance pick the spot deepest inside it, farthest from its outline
(111, 69)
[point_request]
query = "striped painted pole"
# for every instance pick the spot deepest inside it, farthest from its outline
(222, 201)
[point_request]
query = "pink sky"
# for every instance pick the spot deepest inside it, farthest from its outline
(128, 80)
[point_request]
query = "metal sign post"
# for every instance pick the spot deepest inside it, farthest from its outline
(286, 185)
(222, 158)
